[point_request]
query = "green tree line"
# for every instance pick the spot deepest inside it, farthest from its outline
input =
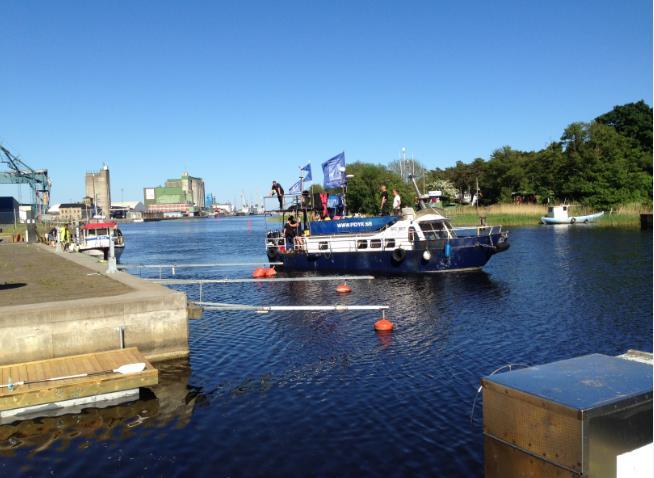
(603, 163)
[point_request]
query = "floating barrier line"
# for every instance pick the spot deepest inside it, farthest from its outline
(276, 279)
(180, 266)
(288, 308)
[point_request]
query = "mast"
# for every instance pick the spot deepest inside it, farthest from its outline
(415, 186)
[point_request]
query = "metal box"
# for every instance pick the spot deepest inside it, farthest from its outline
(569, 418)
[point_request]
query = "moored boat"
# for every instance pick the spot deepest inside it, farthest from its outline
(560, 215)
(94, 239)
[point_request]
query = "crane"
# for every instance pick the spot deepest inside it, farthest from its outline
(21, 173)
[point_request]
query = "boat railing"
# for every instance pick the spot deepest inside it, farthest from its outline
(468, 231)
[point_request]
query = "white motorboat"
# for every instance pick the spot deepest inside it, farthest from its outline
(94, 239)
(560, 215)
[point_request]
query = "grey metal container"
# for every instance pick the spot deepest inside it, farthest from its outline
(569, 418)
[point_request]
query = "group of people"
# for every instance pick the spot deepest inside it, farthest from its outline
(292, 226)
(62, 235)
(384, 205)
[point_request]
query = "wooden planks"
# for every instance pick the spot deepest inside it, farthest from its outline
(67, 389)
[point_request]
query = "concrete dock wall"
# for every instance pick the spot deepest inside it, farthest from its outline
(154, 319)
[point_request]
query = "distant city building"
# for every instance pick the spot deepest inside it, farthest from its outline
(25, 212)
(74, 212)
(226, 208)
(9, 210)
(97, 187)
(127, 210)
(179, 196)
(209, 200)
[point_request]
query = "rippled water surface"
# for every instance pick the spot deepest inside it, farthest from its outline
(321, 394)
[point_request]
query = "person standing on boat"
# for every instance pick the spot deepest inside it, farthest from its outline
(397, 202)
(383, 206)
(279, 191)
(290, 231)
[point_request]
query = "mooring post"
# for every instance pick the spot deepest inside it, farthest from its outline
(121, 336)
(111, 263)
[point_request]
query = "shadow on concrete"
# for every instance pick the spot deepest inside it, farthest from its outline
(12, 285)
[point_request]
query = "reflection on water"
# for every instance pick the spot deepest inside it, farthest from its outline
(291, 394)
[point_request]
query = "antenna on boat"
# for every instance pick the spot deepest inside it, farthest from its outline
(415, 186)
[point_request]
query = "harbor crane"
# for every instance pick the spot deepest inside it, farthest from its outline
(21, 173)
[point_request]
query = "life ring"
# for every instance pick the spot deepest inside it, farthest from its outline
(573, 220)
(398, 255)
(586, 221)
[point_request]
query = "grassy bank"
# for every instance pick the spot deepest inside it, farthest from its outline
(530, 214)
(7, 231)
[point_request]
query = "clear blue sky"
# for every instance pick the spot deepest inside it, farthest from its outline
(244, 92)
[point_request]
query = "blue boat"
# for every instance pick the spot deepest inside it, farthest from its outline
(413, 243)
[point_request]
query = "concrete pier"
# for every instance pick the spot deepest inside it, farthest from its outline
(54, 305)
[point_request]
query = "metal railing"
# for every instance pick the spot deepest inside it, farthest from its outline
(173, 267)
(202, 282)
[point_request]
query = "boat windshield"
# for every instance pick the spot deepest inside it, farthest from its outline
(97, 232)
(435, 230)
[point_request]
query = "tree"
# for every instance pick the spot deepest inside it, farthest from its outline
(363, 195)
(633, 120)
(448, 189)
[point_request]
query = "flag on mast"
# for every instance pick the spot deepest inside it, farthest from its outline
(296, 188)
(307, 172)
(334, 177)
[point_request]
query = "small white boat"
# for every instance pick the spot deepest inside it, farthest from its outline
(94, 239)
(559, 215)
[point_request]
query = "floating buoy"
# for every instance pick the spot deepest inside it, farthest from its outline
(271, 272)
(260, 272)
(343, 288)
(383, 325)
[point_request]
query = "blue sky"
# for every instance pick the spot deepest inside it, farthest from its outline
(240, 93)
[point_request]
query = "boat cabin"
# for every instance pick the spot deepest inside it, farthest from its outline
(558, 212)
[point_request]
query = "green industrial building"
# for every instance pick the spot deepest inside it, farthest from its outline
(180, 196)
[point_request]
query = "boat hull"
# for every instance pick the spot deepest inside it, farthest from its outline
(572, 220)
(103, 252)
(461, 254)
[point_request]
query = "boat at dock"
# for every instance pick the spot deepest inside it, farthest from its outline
(412, 243)
(95, 239)
(560, 215)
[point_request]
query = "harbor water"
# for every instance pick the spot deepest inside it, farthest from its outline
(322, 394)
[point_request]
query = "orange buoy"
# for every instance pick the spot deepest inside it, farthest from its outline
(383, 325)
(271, 272)
(259, 272)
(343, 288)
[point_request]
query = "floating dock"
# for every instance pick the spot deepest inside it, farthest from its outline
(49, 386)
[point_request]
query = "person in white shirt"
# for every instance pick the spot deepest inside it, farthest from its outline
(397, 202)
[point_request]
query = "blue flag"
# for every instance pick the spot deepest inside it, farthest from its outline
(307, 172)
(296, 188)
(331, 169)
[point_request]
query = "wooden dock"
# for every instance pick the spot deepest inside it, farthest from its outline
(46, 385)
